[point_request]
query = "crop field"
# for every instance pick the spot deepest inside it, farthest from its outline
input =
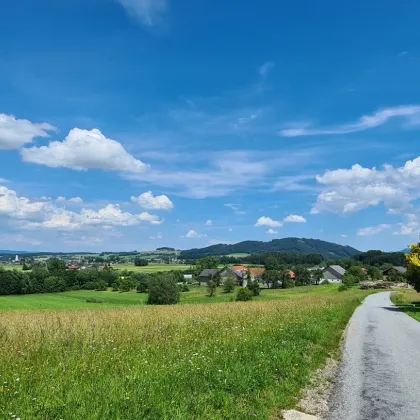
(151, 268)
(11, 267)
(408, 301)
(74, 300)
(225, 361)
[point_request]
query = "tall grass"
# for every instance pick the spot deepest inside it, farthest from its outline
(226, 361)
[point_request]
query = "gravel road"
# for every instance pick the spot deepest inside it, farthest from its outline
(380, 372)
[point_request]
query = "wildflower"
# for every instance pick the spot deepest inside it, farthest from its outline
(17, 379)
(220, 371)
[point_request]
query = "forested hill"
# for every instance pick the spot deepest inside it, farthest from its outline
(328, 250)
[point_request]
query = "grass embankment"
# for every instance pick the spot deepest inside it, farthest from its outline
(228, 361)
(78, 299)
(408, 301)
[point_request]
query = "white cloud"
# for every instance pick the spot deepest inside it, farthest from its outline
(411, 227)
(14, 133)
(234, 207)
(344, 236)
(357, 188)
(147, 12)
(373, 230)
(34, 214)
(63, 200)
(294, 218)
(82, 150)
(156, 237)
(265, 69)
(410, 112)
(271, 232)
(266, 221)
(16, 238)
(149, 202)
(209, 223)
(193, 234)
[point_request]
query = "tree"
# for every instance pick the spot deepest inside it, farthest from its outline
(211, 287)
(56, 267)
(254, 287)
(355, 274)
(163, 290)
(126, 284)
(317, 274)
(140, 262)
(271, 263)
(286, 281)
(397, 277)
(350, 279)
(207, 262)
(413, 266)
(229, 285)
(302, 276)
(243, 295)
(142, 280)
(374, 273)
(271, 277)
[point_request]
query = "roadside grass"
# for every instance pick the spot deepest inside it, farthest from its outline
(229, 361)
(75, 300)
(408, 301)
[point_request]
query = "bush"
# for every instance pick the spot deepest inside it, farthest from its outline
(183, 287)
(229, 285)
(243, 295)
(350, 280)
(211, 287)
(94, 300)
(254, 287)
(163, 291)
(343, 287)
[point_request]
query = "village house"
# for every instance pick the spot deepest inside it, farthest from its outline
(333, 274)
(399, 269)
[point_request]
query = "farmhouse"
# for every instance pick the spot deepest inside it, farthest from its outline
(333, 273)
(210, 273)
(402, 270)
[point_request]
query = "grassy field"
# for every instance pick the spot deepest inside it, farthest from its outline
(225, 361)
(11, 267)
(151, 268)
(78, 299)
(408, 301)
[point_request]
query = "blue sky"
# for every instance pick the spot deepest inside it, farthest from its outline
(134, 124)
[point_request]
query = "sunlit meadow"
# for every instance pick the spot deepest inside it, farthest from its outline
(225, 360)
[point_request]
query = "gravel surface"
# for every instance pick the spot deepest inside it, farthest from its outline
(379, 375)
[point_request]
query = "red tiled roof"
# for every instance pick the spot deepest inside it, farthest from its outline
(256, 271)
(239, 268)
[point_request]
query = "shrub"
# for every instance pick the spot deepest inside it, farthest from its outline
(229, 285)
(254, 287)
(350, 280)
(243, 295)
(163, 291)
(142, 282)
(343, 287)
(183, 287)
(211, 287)
(94, 300)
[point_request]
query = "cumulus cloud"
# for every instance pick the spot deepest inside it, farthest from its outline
(373, 230)
(73, 200)
(294, 218)
(271, 232)
(35, 214)
(150, 202)
(82, 150)
(209, 223)
(266, 221)
(14, 133)
(146, 12)
(193, 234)
(15, 238)
(410, 112)
(357, 188)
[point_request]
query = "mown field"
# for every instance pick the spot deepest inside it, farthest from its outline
(110, 300)
(224, 361)
(408, 301)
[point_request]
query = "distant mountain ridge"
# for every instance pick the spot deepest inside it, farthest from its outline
(328, 250)
(9, 252)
